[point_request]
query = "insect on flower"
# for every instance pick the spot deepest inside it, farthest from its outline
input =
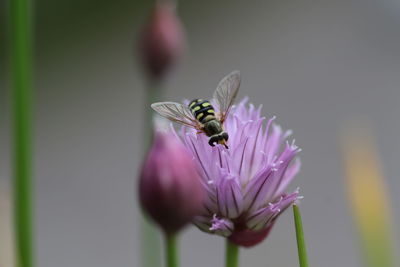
(200, 114)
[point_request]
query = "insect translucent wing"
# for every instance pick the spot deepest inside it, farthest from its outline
(226, 93)
(176, 112)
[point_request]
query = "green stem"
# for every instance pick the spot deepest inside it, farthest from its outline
(232, 254)
(21, 64)
(171, 250)
(150, 239)
(153, 94)
(301, 245)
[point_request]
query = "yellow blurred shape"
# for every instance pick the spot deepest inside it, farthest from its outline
(368, 197)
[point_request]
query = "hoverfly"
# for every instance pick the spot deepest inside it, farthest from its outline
(200, 114)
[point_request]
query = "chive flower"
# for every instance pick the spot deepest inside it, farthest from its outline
(163, 40)
(245, 184)
(170, 190)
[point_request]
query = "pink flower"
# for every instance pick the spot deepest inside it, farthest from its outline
(246, 183)
(170, 189)
(163, 40)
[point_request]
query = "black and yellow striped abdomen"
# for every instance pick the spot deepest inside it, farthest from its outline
(202, 110)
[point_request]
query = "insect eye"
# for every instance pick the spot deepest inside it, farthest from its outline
(225, 136)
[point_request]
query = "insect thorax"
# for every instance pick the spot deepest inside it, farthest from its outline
(202, 110)
(213, 127)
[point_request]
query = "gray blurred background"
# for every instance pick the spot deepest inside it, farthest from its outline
(316, 65)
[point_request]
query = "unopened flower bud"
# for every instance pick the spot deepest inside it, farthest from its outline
(170, 189)
(163, 40)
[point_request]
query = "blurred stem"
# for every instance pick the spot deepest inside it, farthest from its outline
(301, 245)
(232, 254)
(150, 244)
(150, 238)
(153, 94)
(21, 64)
(171, 252)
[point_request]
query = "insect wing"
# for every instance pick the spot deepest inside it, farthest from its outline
(226, 93)
(176, 112)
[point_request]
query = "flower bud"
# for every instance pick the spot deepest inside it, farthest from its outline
(170, 189)
(162, 41)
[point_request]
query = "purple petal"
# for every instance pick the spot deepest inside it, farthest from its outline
(239, 160)
(290, 173)
(210, 206)
(264, 185)
(253, 157)
(275, 140)
(223, 227)
(266, 137)
(255, 190)
(203, 223)
(279, 176)
(286, 201)
(262, 217)
(230, 200)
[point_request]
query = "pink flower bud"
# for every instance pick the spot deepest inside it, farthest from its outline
(170, 189)
(162, 41)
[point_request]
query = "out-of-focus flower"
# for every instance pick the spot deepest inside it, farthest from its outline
(163, 40)
(246, 183)
(368, 195)
(170, 189)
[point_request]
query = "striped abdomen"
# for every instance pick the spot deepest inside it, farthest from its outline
(202, 110)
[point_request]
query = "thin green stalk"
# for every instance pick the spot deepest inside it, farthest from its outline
(231, 255)
(301, 245)
(171, 251)
(153, 94)
(21, 64)
(150, 238)
(150, 244)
